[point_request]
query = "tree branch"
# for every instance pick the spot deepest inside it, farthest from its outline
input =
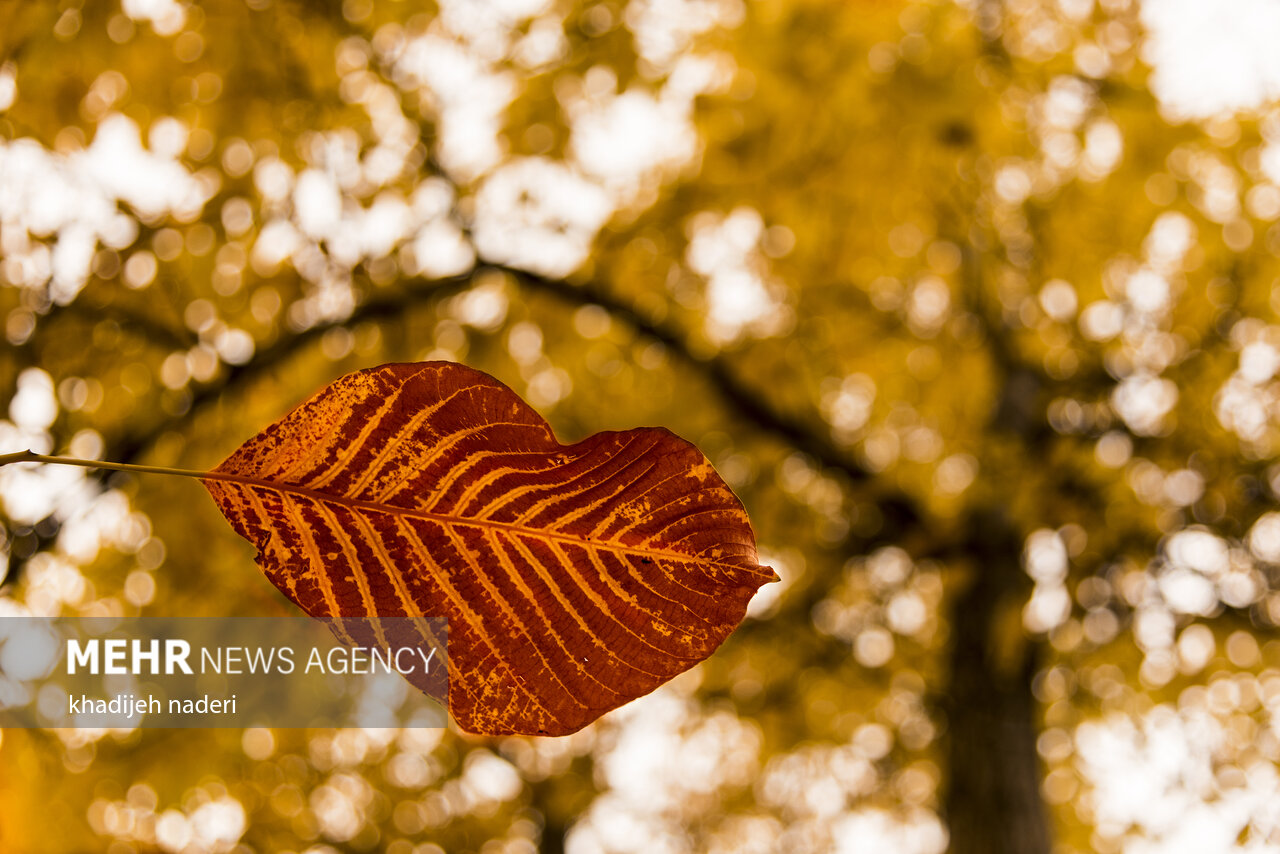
(379, 307)
(749, 402)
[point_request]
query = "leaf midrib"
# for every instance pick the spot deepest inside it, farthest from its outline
(451, 519)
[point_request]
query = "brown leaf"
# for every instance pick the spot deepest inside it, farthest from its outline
(575, 578)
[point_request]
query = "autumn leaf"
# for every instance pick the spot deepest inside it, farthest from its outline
(575, 578)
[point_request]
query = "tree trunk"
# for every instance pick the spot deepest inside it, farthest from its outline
(993, 801)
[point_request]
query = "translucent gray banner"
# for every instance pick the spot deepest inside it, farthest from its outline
(214, 672)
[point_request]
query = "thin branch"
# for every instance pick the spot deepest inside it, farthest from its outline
(32, 457)
(747, 401)
(379, 307)
(133, 321)
(903, 513)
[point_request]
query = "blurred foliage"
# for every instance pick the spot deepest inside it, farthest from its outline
(982, 333)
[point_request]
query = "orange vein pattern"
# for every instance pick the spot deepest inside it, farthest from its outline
(574, 578)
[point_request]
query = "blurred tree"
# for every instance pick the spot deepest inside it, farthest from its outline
(982, 332)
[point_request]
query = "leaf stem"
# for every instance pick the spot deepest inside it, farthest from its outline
(32, 457)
